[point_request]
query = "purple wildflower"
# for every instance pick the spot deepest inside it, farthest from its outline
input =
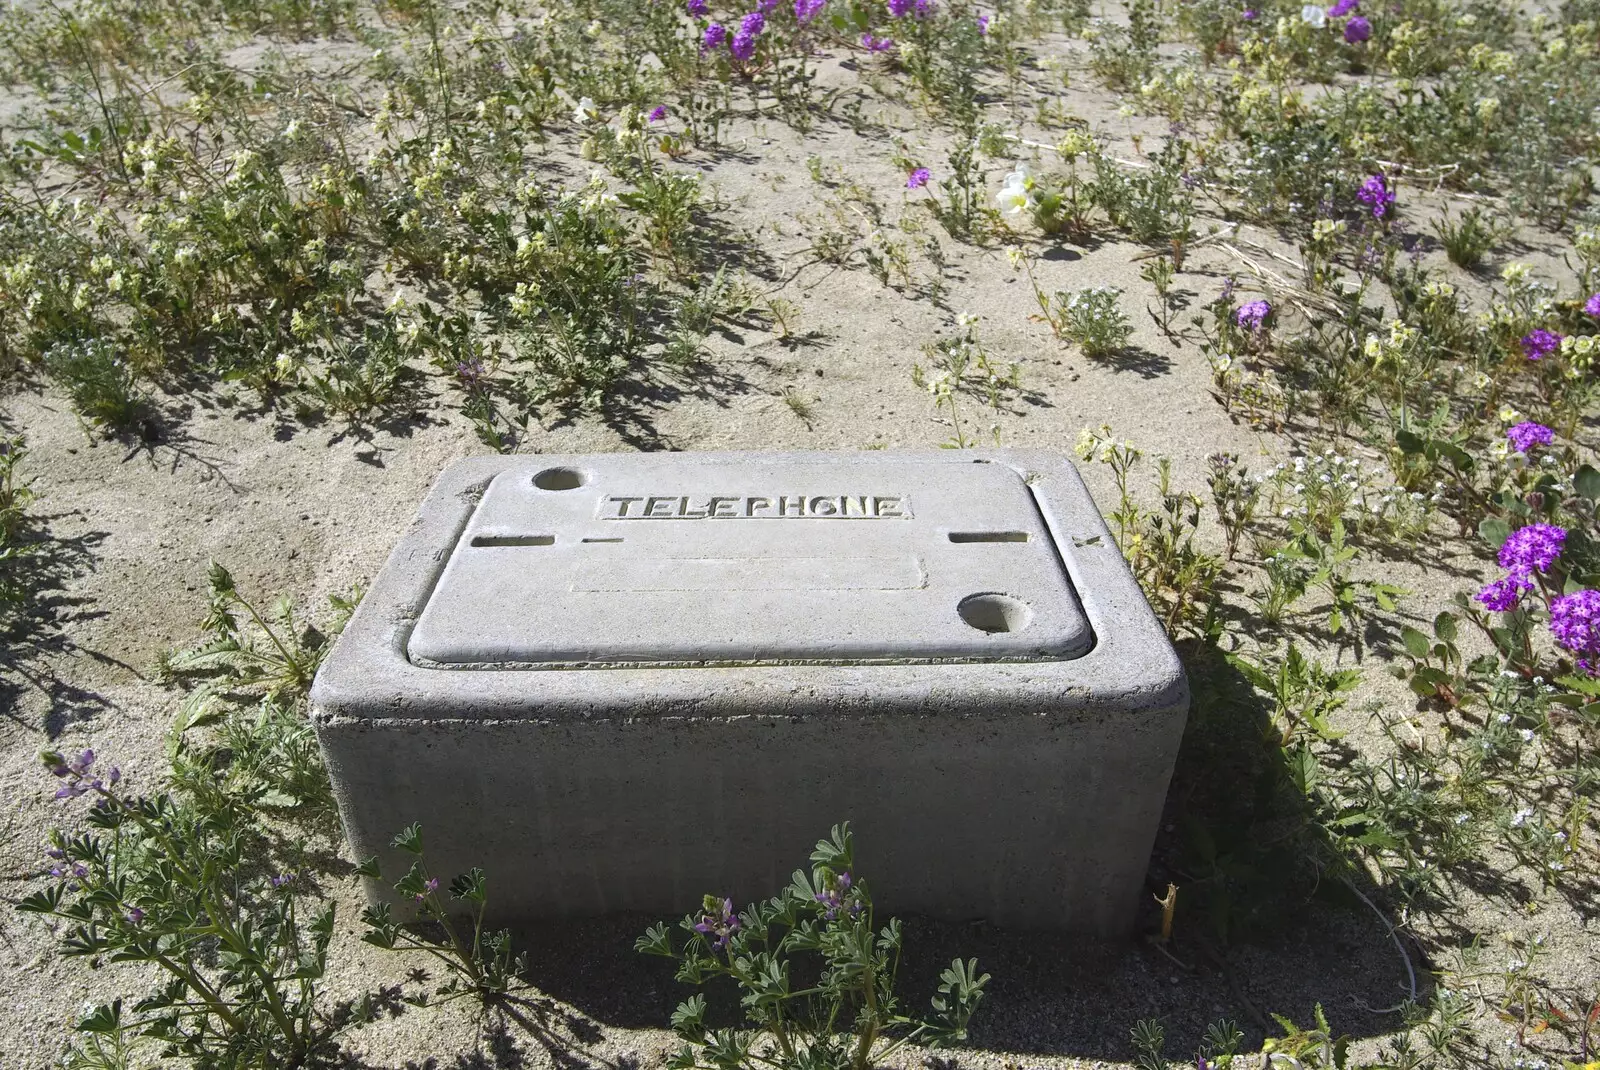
(134, 916)
(876, 44)
(1540, 343)
(75, 767)
(1226, 296)
(1526, 435)
(470, 372)
(1248, 14)
(1253, 316)
(658, 113)
(75, 771)
(54, 852)
(918, 179)
(1575, 622)
(833, 897)
(1357, 30)
(1533, 548)
(983, 24)
(1591, 307)
(712, 39)
(429, 886)
(1376, 194)
(900, 8)
(743, 45)
(720, 925)
(1502, 595)
(696, 8)
(1342, 8)
(922, 8)
(806, 10)
(281, 879)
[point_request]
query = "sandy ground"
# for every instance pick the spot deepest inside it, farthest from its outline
(312, 509)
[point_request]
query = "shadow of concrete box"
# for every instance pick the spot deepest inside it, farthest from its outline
(620, 682)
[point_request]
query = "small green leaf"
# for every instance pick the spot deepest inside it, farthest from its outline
(1587, 482)
(409, 839)
(1494, 531)
(1409, 441)
(1416, 642)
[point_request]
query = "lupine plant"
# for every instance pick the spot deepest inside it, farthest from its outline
(816, 975)
(187, 887)
(448, 926)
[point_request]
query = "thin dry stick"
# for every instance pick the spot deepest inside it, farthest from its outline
(1394, 934)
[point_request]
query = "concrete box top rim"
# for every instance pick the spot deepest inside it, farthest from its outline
(635, 560)
(1130, 667)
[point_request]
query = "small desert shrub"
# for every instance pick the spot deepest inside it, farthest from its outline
(1091, 319)
(821, 925)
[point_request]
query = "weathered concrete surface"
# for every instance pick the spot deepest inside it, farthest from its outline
(688, 713)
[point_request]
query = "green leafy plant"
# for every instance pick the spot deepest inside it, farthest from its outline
(257, 650)
(184, 885)
(1304, 693)
(482, 964)
(815, 973)
(1091, 319)
(958, 366)
(1469, 237)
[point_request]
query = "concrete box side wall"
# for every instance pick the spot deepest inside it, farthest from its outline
(1022, 820)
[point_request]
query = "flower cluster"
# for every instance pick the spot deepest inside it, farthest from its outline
(902, 8)
(1376, 195)
(1591, 307)
(834, 895)
(1526, 435)
(1540, 343)
(1533, 548)
(1575, 622)
(1253, 316)
(876, 44)
(743, 45)
(918, 178)
(1357, 30)
(718, 922)
(75, 772)
(806, 10)
(1528, 550)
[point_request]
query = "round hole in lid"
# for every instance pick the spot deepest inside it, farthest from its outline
(991, 612)
(559, 479)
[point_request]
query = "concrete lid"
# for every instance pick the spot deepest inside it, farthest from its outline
(664, 559)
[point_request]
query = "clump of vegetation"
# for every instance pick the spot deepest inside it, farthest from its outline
(850, 1019)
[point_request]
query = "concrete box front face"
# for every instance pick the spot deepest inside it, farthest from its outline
(620, 682)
